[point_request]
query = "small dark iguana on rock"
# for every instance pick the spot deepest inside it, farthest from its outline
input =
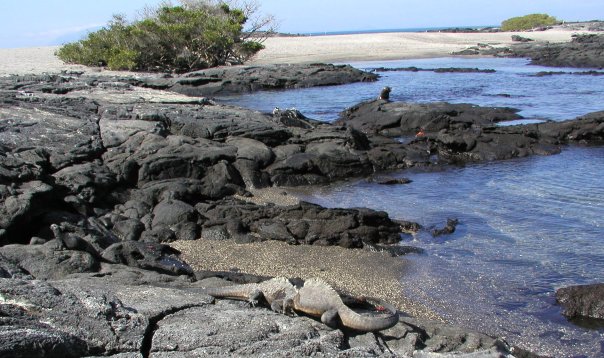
(316, 298)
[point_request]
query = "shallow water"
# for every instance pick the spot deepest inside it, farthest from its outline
(527, 226)
(513, 84)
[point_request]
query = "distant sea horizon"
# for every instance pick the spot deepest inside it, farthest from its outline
(378, 31)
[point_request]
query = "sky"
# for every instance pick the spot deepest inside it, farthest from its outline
(30, 23)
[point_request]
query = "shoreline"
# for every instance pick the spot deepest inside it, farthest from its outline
(388, 46)
(374, 273)
(305, 49)
(309, 49)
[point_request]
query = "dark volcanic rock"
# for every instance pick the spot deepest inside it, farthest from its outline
(19, 206)
(519, 38)
(304, 223)
(582, 301)
(582, 51)
(97, 173)
(55, 132)
(237, 79)
(148, 256)
(459, 133)
(448, 229)
(399, 118)
(437, 70)
(131, 312)
(49, 261)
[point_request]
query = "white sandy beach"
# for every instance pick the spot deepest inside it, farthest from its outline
(387, 46)
(335, 48)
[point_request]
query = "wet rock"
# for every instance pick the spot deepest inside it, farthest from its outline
(436, 70)
(394, 181)
(582, 301)
(292, 117)
(447, 229)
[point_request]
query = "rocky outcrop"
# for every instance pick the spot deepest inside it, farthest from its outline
(582, 301)
(237, 79)
(299, 224)
(583, 51)
(98, 175)
(406, 134)
(143, 161)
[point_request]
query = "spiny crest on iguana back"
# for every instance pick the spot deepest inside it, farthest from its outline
(319, 284)
(316, 297)
(277, 288)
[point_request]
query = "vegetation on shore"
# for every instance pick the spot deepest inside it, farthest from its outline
(528, 22)
(194, 35)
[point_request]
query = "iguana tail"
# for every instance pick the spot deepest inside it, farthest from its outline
(368, 323)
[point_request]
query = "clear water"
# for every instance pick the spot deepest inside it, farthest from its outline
(556, 97)
(527, 226)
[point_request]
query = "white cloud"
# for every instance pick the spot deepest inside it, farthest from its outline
(53, 33)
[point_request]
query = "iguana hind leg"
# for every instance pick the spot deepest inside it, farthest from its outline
(255, 297)
(330, 318)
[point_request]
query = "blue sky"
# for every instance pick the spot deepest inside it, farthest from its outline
(28, 23)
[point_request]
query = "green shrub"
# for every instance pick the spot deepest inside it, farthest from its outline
(528, 22)
(196, 35)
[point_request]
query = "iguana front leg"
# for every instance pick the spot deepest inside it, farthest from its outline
(285, 306)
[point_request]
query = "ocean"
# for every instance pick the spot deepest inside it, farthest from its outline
(527, 226)
(379, 31)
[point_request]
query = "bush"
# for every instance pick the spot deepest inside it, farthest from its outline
(528, 22)
(197, 35)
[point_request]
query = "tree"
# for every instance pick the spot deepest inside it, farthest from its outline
(193, 35)
(528, 22)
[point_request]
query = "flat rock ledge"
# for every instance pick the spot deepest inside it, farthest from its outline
(127, 312)
(98, 176)
(231, 79)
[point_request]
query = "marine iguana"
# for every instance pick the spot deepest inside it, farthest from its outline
(316, 298)
(275, 291)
